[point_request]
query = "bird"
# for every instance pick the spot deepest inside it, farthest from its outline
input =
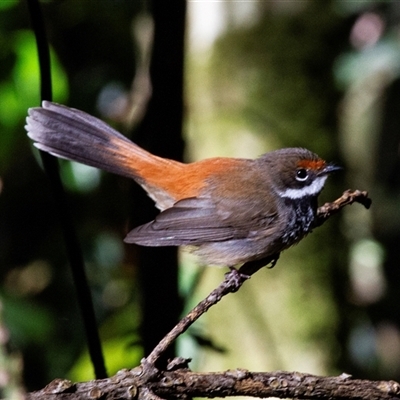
(229, 211)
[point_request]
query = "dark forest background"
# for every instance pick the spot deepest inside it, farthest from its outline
(193, 80)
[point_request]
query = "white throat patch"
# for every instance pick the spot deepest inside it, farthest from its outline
(309, 190)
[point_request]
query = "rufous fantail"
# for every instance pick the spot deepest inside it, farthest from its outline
(231, 210)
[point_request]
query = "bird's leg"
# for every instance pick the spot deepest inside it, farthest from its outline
(238, 277)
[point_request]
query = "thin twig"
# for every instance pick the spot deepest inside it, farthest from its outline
(348, 197)
(232, 282)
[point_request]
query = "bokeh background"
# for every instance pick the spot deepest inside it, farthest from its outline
(257, 76)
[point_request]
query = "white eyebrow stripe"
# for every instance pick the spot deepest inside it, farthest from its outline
(310, 190)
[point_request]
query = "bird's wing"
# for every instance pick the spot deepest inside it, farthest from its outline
(194, 221)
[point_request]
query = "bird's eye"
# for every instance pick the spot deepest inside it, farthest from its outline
(301, 175)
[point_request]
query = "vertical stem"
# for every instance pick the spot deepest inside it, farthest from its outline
(50, 165)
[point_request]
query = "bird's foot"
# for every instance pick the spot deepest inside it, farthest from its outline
(235, 278)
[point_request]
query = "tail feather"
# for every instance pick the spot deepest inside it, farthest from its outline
(77, 136)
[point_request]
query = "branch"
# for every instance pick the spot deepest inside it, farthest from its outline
(347, 198)
(183, 384)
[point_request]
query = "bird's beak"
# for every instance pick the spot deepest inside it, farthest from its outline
(329, 168)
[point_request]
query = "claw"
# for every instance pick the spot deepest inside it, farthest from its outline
(274, 261)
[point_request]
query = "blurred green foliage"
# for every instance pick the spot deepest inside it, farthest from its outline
(20, 88)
